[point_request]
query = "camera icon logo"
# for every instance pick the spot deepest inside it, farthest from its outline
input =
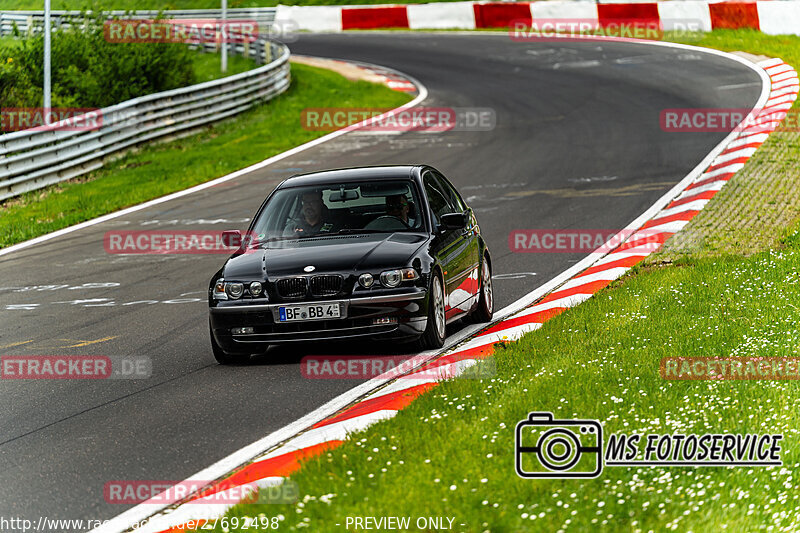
(547, 448)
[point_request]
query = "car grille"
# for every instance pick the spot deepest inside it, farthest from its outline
(328, 285)
(292, 287)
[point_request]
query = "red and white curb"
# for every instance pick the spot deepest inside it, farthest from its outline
(369, 72)
(381, 398)
(770, 17)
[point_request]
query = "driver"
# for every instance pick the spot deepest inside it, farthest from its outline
(397, 206)
(314, 217)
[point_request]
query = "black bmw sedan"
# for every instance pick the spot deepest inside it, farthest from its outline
(388, 252)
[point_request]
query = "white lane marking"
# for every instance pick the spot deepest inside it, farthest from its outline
(577, 64)
(616, 256)
(713, 186)
(736, 86)
(730, 156)
(727, 169)
(748, 139)
(668, 227)
(566, 302)
(604, 275)
(336, 431)
(695, 205)
(513, 275)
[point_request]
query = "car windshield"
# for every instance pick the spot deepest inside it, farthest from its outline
(338, 209)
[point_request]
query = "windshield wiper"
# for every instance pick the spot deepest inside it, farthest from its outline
(273, 239)
(350, 231)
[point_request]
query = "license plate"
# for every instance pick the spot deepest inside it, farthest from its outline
(301, 313)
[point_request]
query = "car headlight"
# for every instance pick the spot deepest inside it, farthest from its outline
(366, 280)
(234, 290)
(219, 290)
(256, 288)
(393, 278)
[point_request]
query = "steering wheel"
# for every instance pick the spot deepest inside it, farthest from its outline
(381, 223)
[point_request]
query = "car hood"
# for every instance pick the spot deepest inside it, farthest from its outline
(343, 253)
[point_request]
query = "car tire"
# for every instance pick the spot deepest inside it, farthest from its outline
(436, 330)
(485, 309)
(225, 358)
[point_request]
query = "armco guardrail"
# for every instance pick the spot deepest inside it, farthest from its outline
(32, 159)
(33, 20)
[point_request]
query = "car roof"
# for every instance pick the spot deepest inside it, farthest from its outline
(326, 177)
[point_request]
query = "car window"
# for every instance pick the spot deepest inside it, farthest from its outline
(452, 195)
(437, 197)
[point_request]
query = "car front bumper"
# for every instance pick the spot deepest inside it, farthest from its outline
(364, 317)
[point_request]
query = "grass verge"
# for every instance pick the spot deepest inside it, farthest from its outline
(751, 212)
(161, 169)
(451, 452)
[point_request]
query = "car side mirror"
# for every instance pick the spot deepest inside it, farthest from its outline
(452, 221)
(232, 238)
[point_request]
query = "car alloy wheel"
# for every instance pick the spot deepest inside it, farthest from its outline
(438, 307)
(485, 308)
(486, 286)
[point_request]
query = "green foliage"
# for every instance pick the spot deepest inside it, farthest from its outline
(88, 71)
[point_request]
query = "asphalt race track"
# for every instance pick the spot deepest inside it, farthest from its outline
(577, 145)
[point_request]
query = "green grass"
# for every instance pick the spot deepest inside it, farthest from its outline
(157, 170)
(207, 66)
(451, 452)
(9, 41)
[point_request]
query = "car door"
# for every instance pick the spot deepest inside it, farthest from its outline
(471, 282)
(451, 247)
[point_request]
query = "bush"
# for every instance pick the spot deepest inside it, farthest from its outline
(88, 71)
